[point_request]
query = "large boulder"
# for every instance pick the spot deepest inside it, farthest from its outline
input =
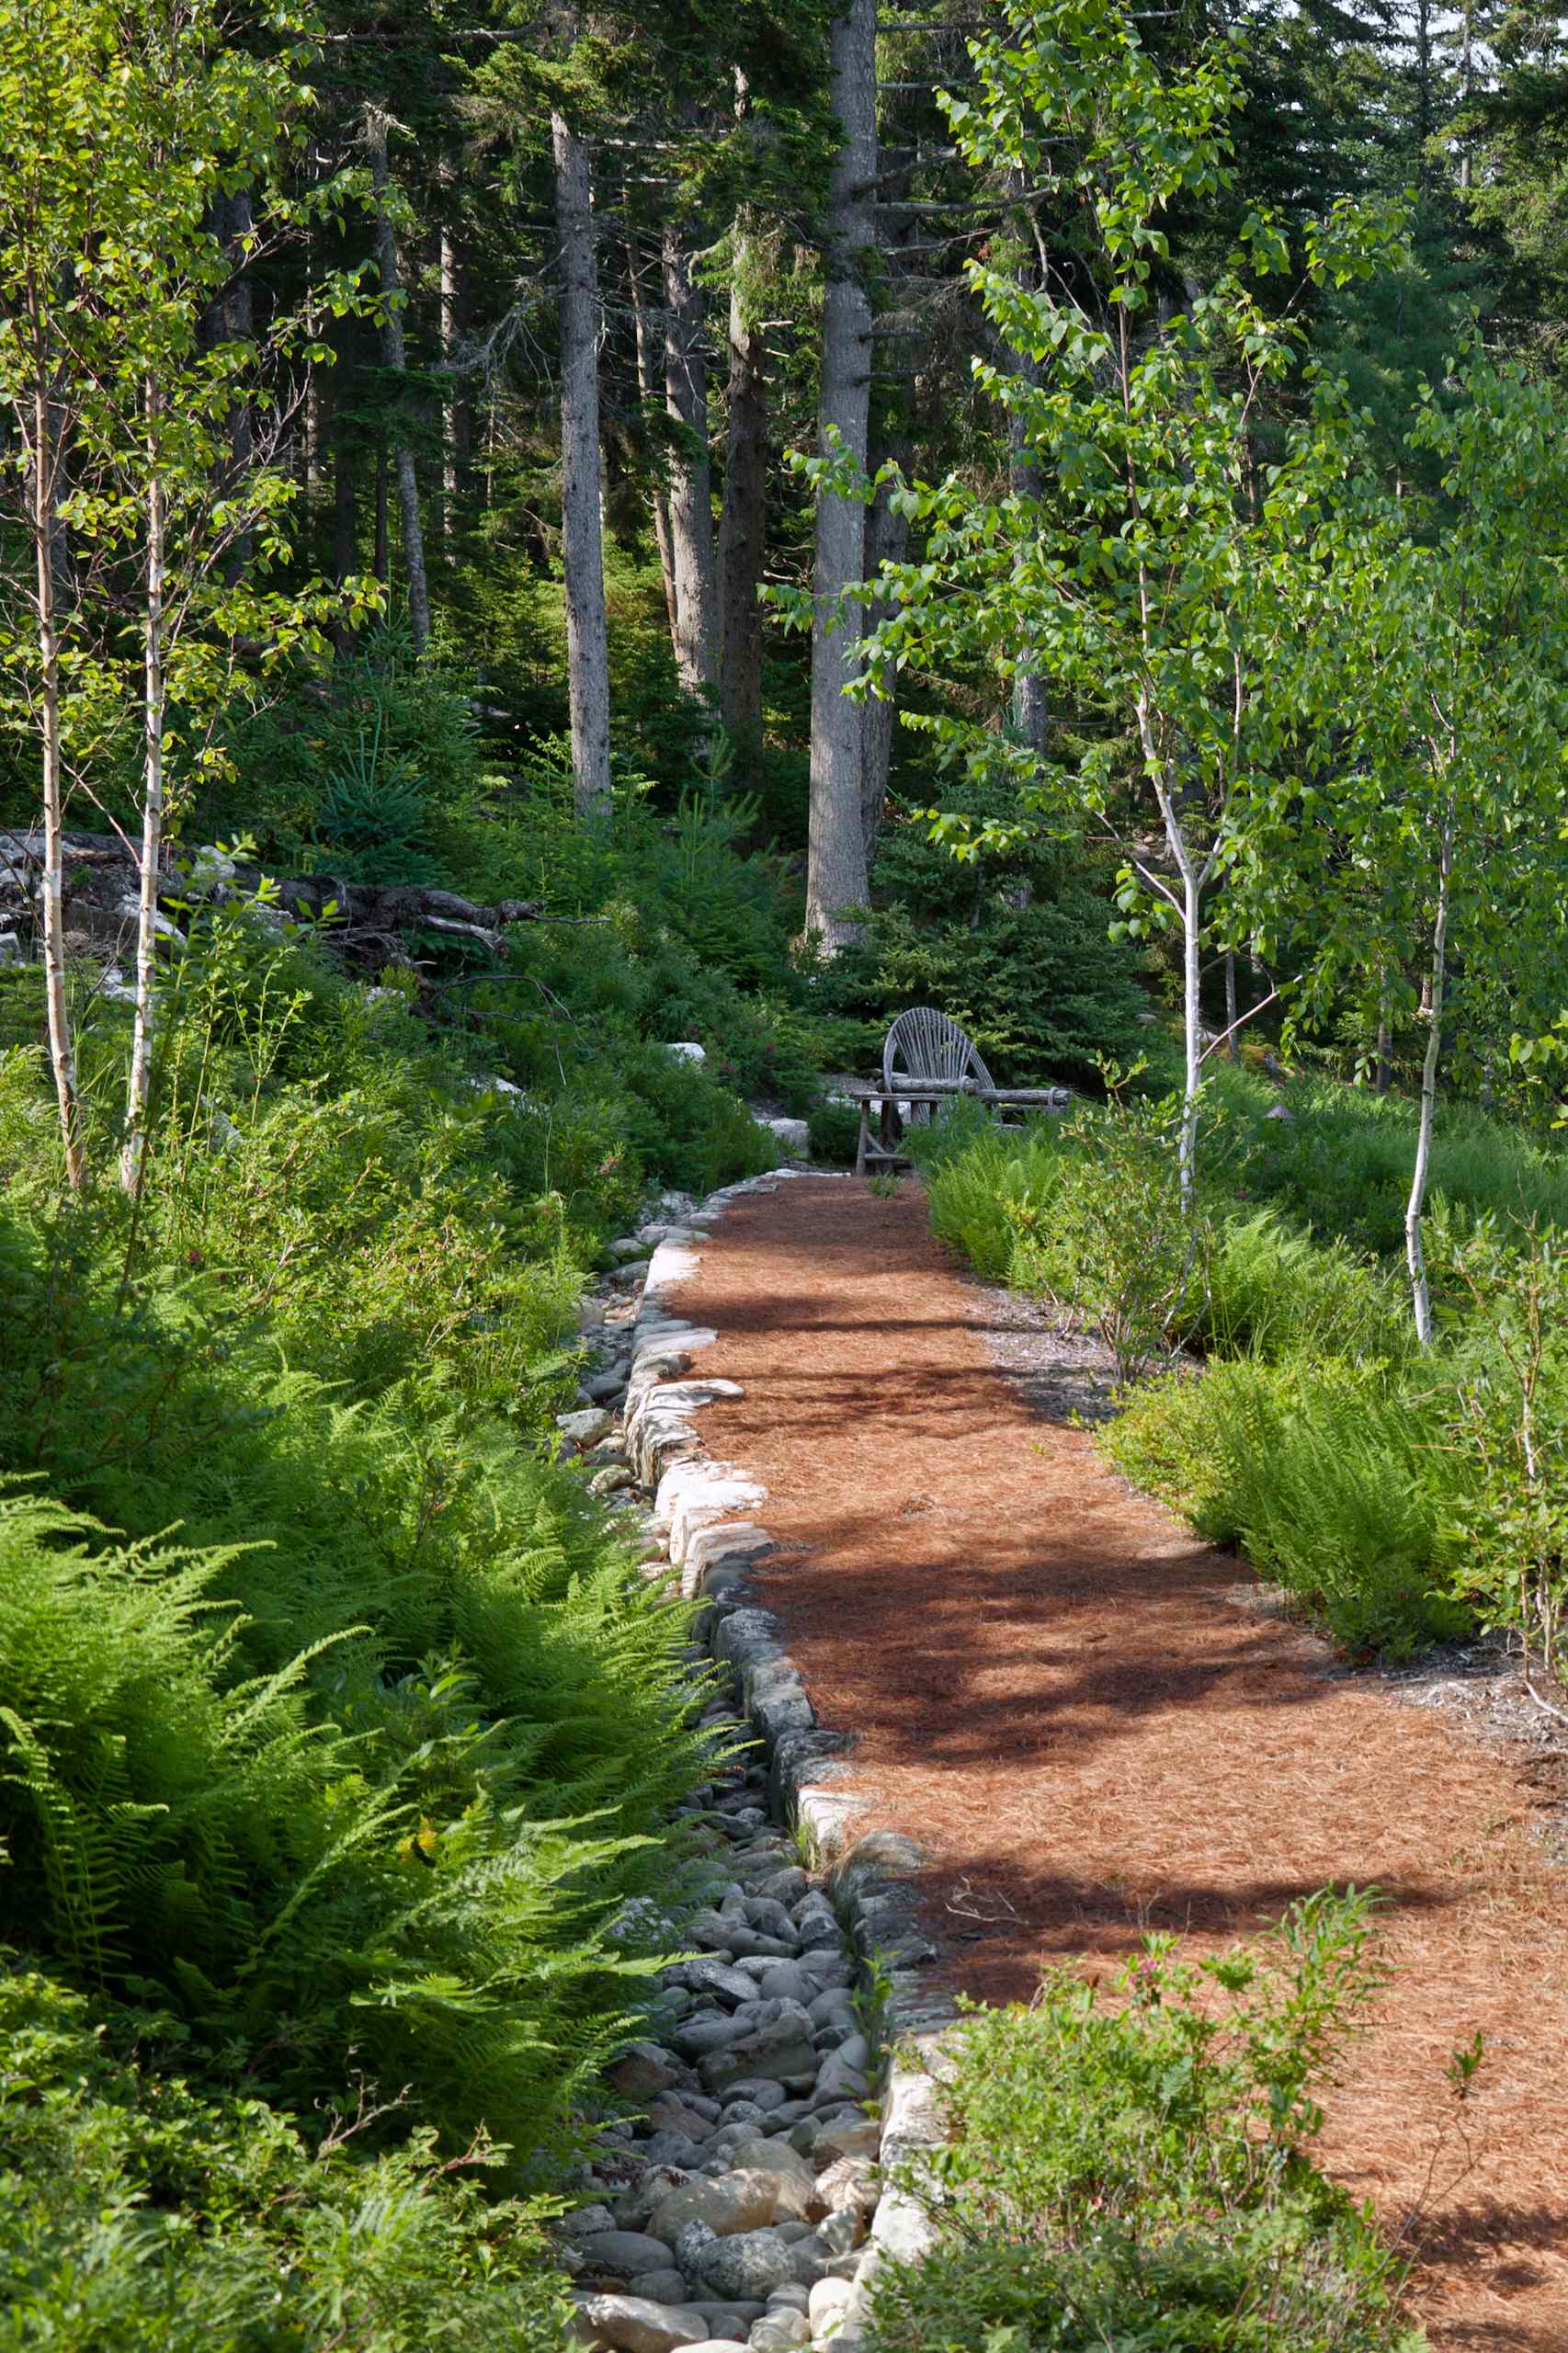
(635, 2324)
(740, 2200)
(621, 2254)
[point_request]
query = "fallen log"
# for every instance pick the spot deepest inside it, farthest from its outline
(100, 875)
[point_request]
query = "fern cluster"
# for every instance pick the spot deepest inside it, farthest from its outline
(137, 2210)
(317, 1857)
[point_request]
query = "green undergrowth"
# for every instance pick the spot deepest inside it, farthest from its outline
(1272, 1387)
(340, 1733)
(140, 2209)
(1130, 2169)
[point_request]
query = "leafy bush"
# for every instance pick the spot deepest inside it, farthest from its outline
(137, 2208)
(1324, 1474)
(406, 1871)
(1136, 2177)
(1341, 1163)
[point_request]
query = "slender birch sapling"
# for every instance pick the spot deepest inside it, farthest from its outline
(1423, 864)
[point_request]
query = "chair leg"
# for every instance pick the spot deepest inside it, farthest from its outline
(865, 1138)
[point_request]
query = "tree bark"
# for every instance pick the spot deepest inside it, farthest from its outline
(742, 534)
(588, 638)
(456, 421)
(887, 541)
(62, 1052)
(836, 857)
(1233, 1050)
(1192, 1031)
(134, 1151)
(394, 358)
(1415, 1257)
(691, 473)
(651, 395)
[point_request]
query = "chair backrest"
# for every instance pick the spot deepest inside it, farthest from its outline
(924, 1043)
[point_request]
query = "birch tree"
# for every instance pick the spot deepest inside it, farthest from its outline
(69, 151)
(1430, 850)
(1136, 559)
(164, 495)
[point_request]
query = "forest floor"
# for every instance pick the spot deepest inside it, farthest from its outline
(1095, 1725)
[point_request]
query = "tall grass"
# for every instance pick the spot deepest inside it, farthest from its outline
(1396, 1493)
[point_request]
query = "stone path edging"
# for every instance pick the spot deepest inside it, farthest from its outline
(704, 1513)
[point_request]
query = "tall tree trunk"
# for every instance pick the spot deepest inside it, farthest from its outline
(394, 359)
(384, 540)
(887, 541)
(742, 530)
(455, 419)
(650, 394)
(1415, 1257)
(345, 487)
(1192, 1031)
(1031, 713)
(691, 473)
(1233, 1048)
(587, 637)
(836, 857)
(45, 467)
(134, 1151)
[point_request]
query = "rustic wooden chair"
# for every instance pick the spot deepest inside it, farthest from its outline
(927, 1061)
(924, 1044)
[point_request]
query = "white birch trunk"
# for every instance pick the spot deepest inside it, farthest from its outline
(836, 857)
(62, 1052)
(1416, 1255)
(588, 638)
(1191, 1022)
(394, 358)
(134, 1151)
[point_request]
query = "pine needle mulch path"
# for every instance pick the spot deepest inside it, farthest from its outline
(1060, 1693)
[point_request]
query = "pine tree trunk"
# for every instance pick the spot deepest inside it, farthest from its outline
(1383, 1076)
(652, 396)
(887, 541)
(394, 359)
(383, 538)
(62, 1052)
(691, 473)
(452, 402)
(587, 639)
(835, 857)
(1432, 993)
(743, 536)
(133, 1153)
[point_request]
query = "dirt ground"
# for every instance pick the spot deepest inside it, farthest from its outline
(1094, 1728)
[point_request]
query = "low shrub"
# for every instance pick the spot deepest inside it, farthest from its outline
(1324, 1474)
(407, 1872)
(139, 2209)
(1134, 2175)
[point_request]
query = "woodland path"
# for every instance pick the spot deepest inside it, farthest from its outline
(1087, 1720)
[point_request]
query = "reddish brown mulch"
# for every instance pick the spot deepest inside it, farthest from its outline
(1071, 1704)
